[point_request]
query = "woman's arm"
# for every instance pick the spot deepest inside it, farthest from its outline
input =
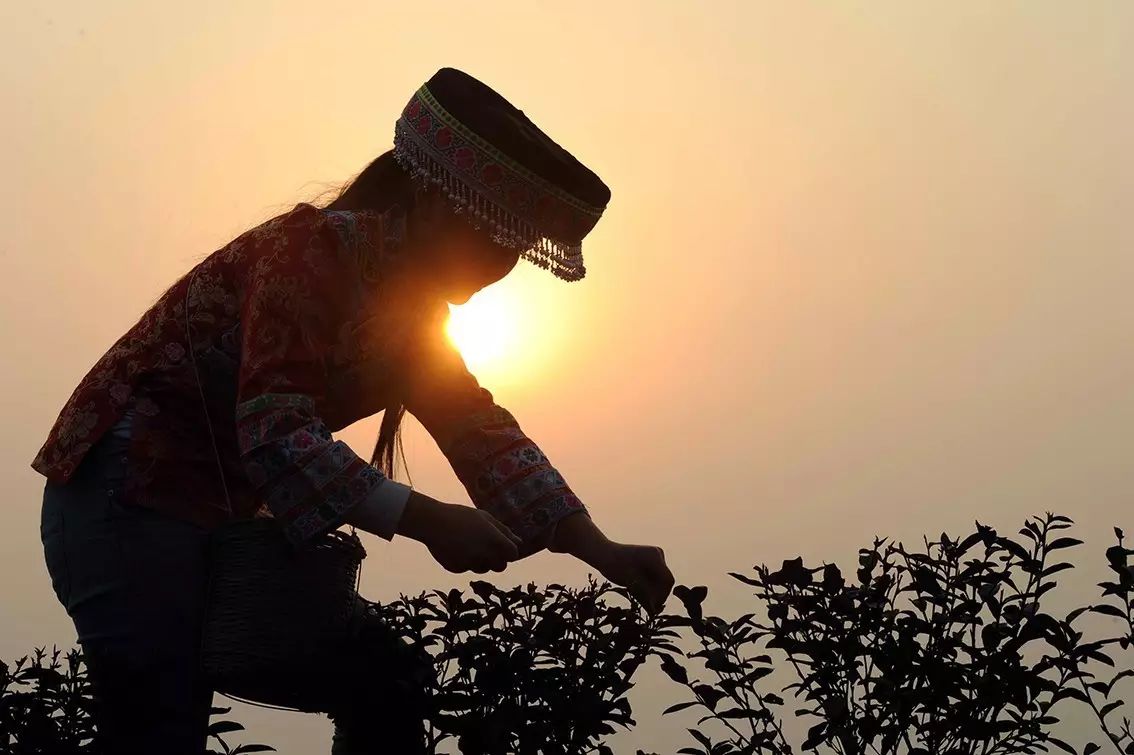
(580, 537)
(300, 289)
(297, 290)
(506, 474)
(639, 568)
(458, 537)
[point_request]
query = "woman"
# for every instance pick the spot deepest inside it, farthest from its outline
(220, 403)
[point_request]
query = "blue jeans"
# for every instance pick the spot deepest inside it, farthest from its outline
(133, 582)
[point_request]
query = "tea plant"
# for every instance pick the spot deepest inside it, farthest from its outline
(1098, 689)
(46, 704)
(529, 670)
(949, 648)
(943, 649)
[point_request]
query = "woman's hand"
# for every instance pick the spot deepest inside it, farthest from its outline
(460, 538)
(641, 569)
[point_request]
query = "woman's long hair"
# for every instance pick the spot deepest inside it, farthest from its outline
(381, 184)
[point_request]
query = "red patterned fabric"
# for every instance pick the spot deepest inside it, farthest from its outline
(293, 342)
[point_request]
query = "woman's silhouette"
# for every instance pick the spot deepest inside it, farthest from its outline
(298, 327)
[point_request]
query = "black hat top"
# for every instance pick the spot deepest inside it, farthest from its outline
(492, 160)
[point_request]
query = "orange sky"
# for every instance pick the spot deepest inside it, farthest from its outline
(866, 268)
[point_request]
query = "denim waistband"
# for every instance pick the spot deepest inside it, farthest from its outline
(107, 460)
(122, 428)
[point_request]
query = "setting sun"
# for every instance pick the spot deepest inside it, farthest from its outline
(511, 331)
(484, 329)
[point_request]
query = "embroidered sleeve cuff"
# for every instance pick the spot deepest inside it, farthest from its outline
(381, 511)
(536, 526)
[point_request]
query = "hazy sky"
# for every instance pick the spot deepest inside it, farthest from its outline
(866, 269)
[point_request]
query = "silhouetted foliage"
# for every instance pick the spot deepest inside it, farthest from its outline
(948, 648)
(1097, 689)
(45, 708)
(217, 730)
(45, 704)
(523, 670)
(529, 670)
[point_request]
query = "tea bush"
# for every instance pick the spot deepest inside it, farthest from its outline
(45, 709)
(947, 648)
(530, 669)
(521, 670)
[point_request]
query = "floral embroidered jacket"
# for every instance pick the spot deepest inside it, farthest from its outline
(295, 335)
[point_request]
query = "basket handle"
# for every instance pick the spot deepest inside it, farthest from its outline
(205, 405)
(201, 391)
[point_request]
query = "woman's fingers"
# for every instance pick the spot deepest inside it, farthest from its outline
(505, 529)
(506, 545)
(508, 550)
(656, 582)
(483, 567)
(464, 539)
(662, 578)
(663, 584)
(648, 596)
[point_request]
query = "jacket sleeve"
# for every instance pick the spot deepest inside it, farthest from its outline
(504, 471)
(298, 288)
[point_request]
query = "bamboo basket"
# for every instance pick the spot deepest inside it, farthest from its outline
(278, 618)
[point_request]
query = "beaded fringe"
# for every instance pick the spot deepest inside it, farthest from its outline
(563, 260)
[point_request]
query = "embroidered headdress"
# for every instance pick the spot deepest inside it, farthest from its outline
(494, 163)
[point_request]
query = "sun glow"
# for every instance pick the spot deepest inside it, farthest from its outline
(508, 333)
(485, 330)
